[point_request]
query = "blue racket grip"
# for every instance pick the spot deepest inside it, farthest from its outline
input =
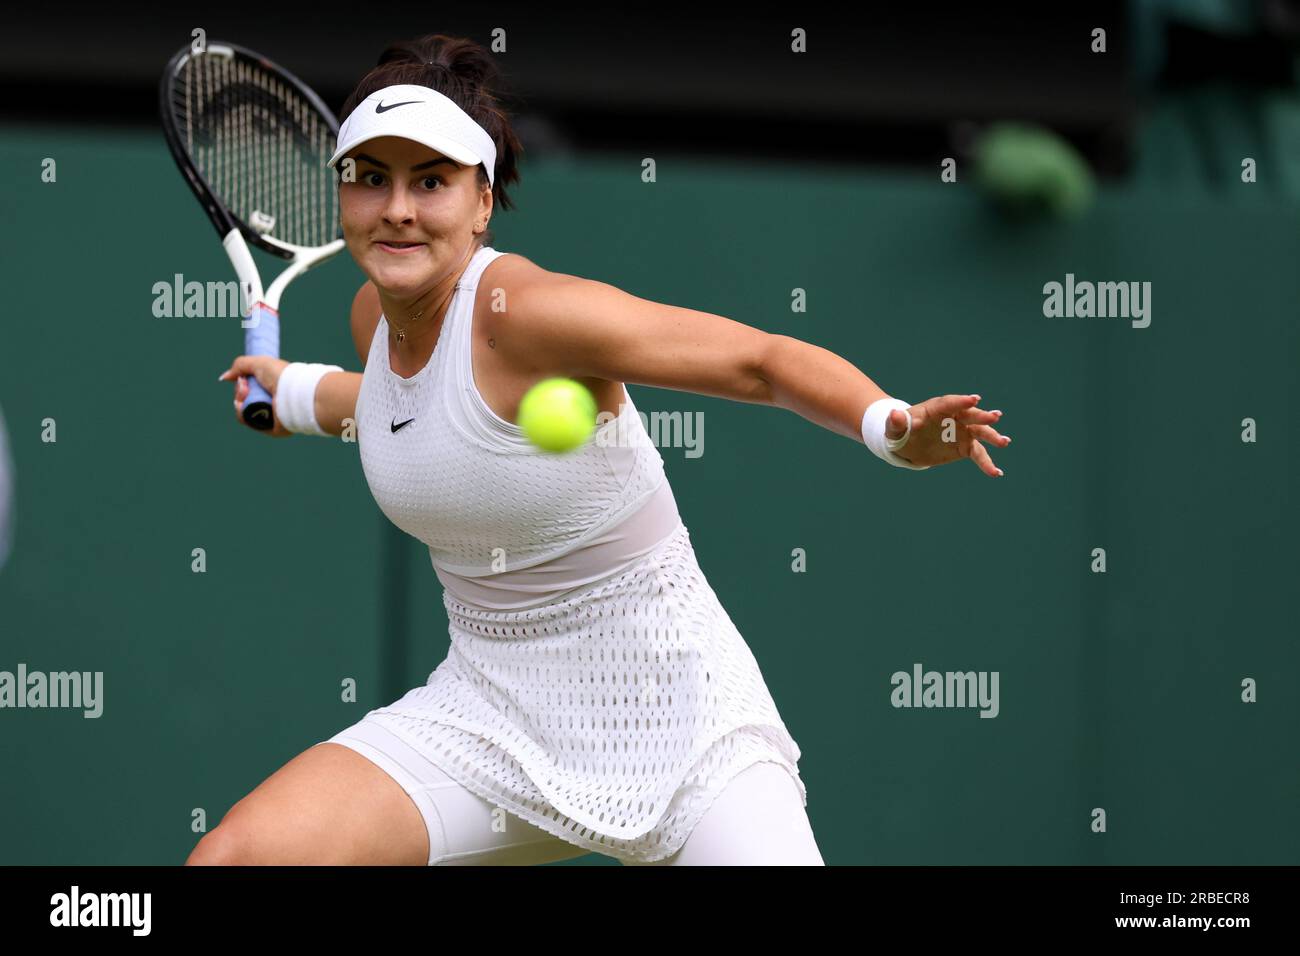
(261, 337)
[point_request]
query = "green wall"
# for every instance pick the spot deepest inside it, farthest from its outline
(1118, 690)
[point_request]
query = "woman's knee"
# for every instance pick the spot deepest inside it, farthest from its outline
(248, 835)
(219, 847)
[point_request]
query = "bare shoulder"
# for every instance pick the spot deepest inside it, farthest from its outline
(514, 292)
(365, 317)
(514, 297)
(509, 292)
(513, 272)
(517, 298)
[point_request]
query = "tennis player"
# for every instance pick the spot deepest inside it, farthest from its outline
(595, 697)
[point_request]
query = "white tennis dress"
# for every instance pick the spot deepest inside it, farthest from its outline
(594, 686)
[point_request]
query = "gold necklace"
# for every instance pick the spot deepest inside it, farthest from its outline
(401, 332)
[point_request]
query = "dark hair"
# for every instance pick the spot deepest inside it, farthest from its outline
(465, 73)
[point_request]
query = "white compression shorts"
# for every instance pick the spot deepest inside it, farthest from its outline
(757, 820)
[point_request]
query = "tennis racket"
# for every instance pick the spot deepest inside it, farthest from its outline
(252, 140)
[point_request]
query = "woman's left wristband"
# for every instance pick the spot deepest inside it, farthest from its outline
(873, 432)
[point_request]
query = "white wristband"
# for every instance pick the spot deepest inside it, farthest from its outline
(295, 396)
(873, 432)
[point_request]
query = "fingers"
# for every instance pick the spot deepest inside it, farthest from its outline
(241, 390)
(950, 406)
(980, 456)
(242, 365)
(240, 371)
(979, 424)
(985, 433)
(961, 408)
(978, 415)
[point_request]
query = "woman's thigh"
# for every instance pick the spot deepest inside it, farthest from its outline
(462, 828)
(329, 806)
(757, 820)
(365, 797)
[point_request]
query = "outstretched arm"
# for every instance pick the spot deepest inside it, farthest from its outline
(818, 384)
(829, 391)
(563, 325)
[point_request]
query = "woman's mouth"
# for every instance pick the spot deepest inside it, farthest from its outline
(400, 248)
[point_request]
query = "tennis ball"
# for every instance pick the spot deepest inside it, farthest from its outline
(557, 414)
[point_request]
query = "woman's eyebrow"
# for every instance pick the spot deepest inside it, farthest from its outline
(364, 158)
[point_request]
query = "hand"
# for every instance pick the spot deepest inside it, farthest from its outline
(266, 369)
(969, 426)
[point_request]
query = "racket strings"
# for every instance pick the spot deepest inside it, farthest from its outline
(260, 145)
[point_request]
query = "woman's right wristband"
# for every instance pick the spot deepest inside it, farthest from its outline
(295, 396)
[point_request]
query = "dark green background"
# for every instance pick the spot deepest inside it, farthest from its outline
(1119, 691)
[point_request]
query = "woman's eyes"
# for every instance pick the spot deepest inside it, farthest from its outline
(424, 180)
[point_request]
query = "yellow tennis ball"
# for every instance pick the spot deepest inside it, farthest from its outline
(557, 414)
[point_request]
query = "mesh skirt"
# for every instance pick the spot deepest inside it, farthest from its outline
(612, 718)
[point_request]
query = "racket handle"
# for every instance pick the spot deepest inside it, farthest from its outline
(262, 337)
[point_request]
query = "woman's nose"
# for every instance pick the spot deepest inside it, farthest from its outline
(399, 206)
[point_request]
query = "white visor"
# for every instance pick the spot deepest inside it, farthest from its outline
(423, 115)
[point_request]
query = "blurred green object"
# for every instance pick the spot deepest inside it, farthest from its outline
(1029, 170)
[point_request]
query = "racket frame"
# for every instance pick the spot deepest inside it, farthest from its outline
(261, 325)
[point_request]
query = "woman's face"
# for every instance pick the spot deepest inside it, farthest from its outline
(405, 192)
